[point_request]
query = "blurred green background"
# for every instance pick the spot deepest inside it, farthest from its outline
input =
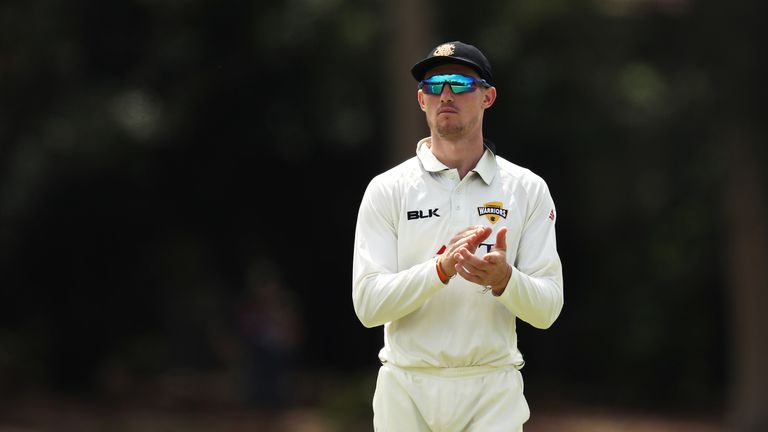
(179, 182)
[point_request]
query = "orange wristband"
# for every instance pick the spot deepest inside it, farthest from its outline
(444, 278)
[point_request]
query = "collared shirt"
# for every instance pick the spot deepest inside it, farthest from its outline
(407, 214)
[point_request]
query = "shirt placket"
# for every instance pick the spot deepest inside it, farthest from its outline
(460, 206)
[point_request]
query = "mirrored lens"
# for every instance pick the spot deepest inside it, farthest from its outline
(459, 83)
(433, 88)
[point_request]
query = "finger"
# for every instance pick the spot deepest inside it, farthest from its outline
(476, 237)
(464, 255)
(470, 241)
(495, 257)
(466, 232)
(471, 237)
(471, 263)
(482, 233)
(501, 239)
(461, 239)
(467, 274)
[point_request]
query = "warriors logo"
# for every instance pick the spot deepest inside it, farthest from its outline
(445, 50)
(492, 211)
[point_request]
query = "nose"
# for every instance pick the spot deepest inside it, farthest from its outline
(447, 94)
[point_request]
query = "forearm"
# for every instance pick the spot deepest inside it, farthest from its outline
(381, 297)
(536, 300)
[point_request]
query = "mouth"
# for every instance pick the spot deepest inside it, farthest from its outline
(447, 110)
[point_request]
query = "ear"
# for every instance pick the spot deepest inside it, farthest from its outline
(420, 96)
(489, 97)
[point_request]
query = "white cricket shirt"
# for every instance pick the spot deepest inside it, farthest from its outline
(407, 214)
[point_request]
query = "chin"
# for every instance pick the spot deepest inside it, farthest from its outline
(450, 132)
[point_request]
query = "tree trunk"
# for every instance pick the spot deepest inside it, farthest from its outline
(747, 250)
(411, 31)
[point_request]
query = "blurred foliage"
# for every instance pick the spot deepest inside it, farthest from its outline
(152, 151)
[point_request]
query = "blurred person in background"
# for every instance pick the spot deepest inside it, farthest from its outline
(270, 328)
(451, 247)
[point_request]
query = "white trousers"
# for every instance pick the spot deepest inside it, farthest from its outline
(469, 399)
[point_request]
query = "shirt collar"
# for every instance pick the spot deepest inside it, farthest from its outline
(486, 166)
(427, 158)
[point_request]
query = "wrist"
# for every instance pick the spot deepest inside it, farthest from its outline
(498, 289)
(444, 277)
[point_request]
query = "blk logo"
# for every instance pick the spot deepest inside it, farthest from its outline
(422, 214)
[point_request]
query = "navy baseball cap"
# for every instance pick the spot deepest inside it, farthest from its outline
(454, 52)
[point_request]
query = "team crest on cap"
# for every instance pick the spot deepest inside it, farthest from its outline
(492, 211)
(445, 50)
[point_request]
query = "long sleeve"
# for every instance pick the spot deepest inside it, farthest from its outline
(380, 291)
(535, 290)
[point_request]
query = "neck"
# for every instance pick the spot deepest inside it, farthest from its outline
(463, 154)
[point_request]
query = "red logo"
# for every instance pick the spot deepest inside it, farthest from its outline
(552, 215)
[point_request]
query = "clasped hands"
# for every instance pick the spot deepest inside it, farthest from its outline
(491, 271)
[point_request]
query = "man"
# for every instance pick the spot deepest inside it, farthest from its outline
(451, 247)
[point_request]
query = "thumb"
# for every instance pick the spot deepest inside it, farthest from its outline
(501, 240)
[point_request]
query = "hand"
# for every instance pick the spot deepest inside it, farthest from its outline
(492, 270)
(468, 239)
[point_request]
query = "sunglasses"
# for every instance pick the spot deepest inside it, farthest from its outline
(459, 83)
